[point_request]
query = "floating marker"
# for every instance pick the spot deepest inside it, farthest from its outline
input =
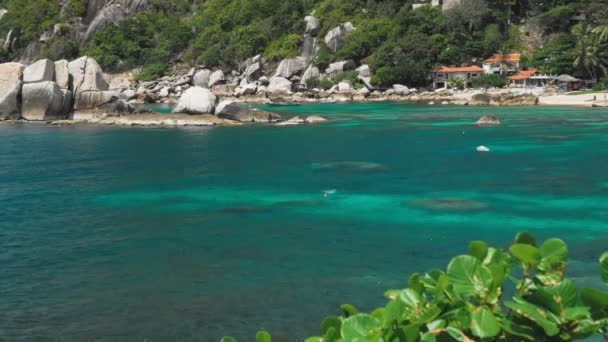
(482, 149)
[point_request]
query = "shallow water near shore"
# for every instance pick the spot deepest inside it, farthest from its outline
(114, 233)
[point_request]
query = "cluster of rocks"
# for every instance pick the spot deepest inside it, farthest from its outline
(48, 90)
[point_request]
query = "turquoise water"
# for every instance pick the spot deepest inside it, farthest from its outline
(113, 233)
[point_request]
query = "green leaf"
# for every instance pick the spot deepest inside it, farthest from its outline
(428, 337)
(556, 298)
(391, 294)
(415, 284)
(458, 335)
(484, 323)
(409, 333)
(330, 322)
(478, 249)
(393, 312)
(436, 325)
(534, 314)
(525, 238)
(468, 277)
(314, 339)
(604, 267)
(521, 331)
(597, 301)
(349, 310)
(263, 336)
(360, 325)
(378, 314)
(228, 339)
(576, 313)
(554, 257)
(412, 300)
(331, 335)
(525, 253)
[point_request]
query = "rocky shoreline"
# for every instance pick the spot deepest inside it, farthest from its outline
(78, 92)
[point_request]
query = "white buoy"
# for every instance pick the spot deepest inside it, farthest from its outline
(482, 149)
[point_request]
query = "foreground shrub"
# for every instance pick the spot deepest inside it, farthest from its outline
(465, 303)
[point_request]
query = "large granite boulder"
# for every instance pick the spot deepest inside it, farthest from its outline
(335, 38)
(88, 85)
(11, 81)
(279, 85)
(196, 100)
(62, 74)
(339, 67)
(201, 78)
(45, 101)
(480, 100)
(311, 72)
(364, 71)
(217, 77)
(290, 67)
(41, 71)
(253, 72)
(243, 113)
(313, 25)
(102, 13)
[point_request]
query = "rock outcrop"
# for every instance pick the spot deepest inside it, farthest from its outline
(217, 77)
(313, 119)
(196, 100)
(101, 13)
(41, 71)
(45, 101)
(336, 37)
(313, 25)
(290, 67)
(253, 72)
(62, 74)
(279, 85)
(201, 78)
(243, 113)
(488, 120)
(339, 67)
(291, 122)
(89, 88)
(480, 100)
(11, 81)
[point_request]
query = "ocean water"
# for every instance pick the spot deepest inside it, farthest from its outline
(189, 234)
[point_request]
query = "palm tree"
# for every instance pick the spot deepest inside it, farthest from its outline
(590, 51)
(502, 55)
(602, 31)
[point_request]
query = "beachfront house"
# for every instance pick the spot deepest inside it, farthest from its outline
(530, 78)
(442, 75)
(502, 64)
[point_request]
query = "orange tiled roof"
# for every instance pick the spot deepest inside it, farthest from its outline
(522, 75)
(449, 70)
(496, 58)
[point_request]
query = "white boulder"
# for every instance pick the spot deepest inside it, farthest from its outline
(41, 71)
(11, 81)
(279, 85)
(291, 66)
(201, 78)
(62, 74)
(313, 25)
(335, 38)
(196, 100)
(44, 101)
(217, 77)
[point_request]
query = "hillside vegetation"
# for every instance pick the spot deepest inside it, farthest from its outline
(400, 44)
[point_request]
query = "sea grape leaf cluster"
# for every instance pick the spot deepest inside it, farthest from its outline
(466, 301)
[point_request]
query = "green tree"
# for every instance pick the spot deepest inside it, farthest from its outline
(591, 56)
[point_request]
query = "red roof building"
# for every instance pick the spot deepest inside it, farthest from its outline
(443, 74)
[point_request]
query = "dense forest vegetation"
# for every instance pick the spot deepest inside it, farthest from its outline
(399, 43)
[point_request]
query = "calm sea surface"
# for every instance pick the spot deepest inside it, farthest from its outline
(127, 234)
